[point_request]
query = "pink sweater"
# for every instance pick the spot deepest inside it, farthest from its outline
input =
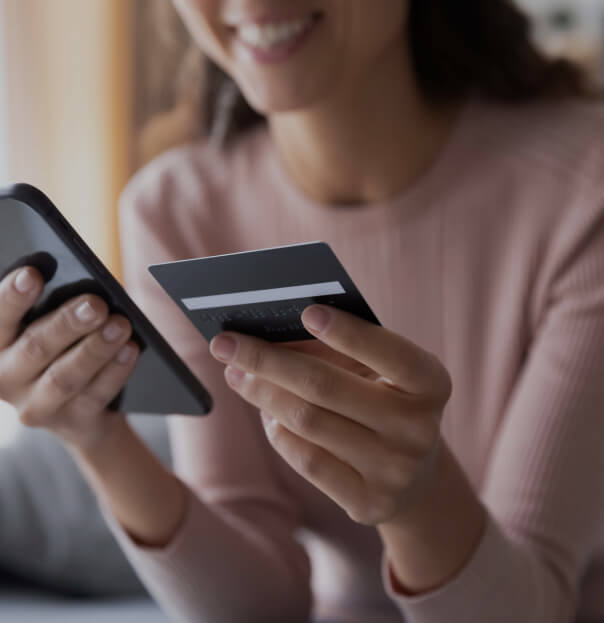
(493, 261)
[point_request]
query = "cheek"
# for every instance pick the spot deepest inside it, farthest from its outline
(202, 19)
(368, 28)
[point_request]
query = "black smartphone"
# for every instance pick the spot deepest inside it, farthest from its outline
(33, 232)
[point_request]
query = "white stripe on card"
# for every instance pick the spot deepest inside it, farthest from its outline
(250, 297)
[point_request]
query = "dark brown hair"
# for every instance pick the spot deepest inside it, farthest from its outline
(456, 47)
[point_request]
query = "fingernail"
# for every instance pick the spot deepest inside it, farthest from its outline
(112, 332)
(85, 312)
(234, 376)
(223, 347)
(24, 282)
(316, 318)
(125, 354)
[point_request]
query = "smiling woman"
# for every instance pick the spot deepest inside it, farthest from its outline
(185, 95)
(456, 172)
(472, 235)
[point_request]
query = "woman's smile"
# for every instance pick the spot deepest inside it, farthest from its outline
(296, 55)
(270, 38)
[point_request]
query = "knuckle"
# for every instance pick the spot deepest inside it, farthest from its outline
(257, 359)
(304, 418)
(269, 400)
(274, 433)
(383, 507)
(61, 382)
(93, 352)
(352, 339)
(33, 345)
(428, 434)
(310, 462)
(372, 509)
(29, 418)
(420, 432)
(395, 471)
(318, 384)
(87, 403)
(401, 366)
(358, 513)
(258, 392)
(446, 383)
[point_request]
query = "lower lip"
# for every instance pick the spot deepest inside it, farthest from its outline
(281, 51)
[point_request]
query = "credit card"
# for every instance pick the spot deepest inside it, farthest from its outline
(262, 292)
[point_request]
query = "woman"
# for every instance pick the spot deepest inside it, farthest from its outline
(445, 466)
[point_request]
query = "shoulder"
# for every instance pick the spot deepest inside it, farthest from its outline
(556, 141)
(550, 158)
(529, 183)
(191, 178)
(541, 165)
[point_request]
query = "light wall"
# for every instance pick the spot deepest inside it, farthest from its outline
(69, 73)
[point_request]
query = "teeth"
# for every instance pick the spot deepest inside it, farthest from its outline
(268, 35)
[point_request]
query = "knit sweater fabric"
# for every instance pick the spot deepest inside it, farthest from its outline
(493, 260)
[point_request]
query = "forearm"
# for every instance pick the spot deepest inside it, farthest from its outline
(258, 559)
(147, 499)
(433, 539)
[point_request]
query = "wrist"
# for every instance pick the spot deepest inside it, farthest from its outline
(97, 445)
(146, 499)
(418, 541)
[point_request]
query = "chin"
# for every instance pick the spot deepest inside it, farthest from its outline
(282, 98)
(280, 104)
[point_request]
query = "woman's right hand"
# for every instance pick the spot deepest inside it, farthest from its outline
(62, 371)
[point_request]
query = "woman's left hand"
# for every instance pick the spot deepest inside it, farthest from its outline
(358, 414)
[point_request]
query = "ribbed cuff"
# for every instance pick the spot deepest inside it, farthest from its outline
(154, 562)
(477, 593)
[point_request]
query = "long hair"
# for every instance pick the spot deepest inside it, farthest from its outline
(456, 47)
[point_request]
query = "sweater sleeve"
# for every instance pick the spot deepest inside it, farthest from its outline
(236, 556)
(544, 487)
(51, 531)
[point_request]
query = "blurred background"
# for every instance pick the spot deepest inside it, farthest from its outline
(80, 99)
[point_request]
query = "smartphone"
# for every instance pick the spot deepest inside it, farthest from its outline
(34, 233)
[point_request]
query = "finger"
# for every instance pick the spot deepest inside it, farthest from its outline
(348, 441)
(330, 475)
(74, 370)
(46, 339)
(314, 380)
(391, 355)
(107, 384)
(18, 291)
(317, 349)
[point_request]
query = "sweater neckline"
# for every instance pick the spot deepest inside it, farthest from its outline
(368, 215)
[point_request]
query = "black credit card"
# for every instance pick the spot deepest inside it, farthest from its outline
(262, 292)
